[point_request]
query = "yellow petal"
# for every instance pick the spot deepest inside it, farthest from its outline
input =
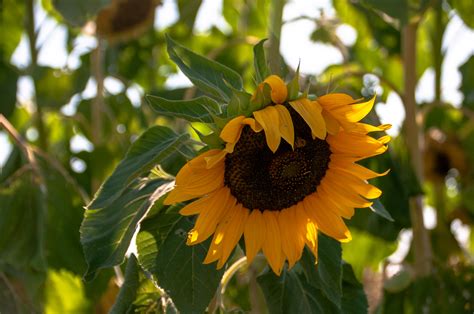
(335, 100)
(290, 235)
(279, 90)
(311, 113)
(358, 111)
(212, 161)
(272, 244)
(327, 221)
(254, 234)
(368, 128)
(360, 186)
(337, 207)
(341, 192)
(178, 195)
(215, 250)
(270, 121)
(331, 123)
(356, 145)
(256, 127)
(212, 212)
(355, 169)
(231, 131)
(286, 125)
(232, 226)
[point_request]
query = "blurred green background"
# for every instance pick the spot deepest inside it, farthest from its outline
(73, 77)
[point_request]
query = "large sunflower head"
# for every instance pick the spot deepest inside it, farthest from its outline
(287, 171)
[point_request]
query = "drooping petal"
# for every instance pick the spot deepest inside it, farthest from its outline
(279, 90)
(358, 111)
(269, 119)
(327, 221)
(231, 131)
(271, 246)
(360, 186)
(292, 242)
(286, 125)
(310, 229)
(355, 169)
(212, 212)
(232, 227)
(311, 113)
(355, 145)
(254, 234)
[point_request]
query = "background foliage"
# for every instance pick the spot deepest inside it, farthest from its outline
(75, 131)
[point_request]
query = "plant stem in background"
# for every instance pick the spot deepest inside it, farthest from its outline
(32, 36)
(274, 34)
(437, 42)
(97, 71)
(421, 241)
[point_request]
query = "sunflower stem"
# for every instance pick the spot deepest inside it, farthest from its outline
(421, 240)
(274, 34)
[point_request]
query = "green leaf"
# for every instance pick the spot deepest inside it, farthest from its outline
(22, 211)
(260, 62)
(106, 232)
(354, 300)
(77, 12)
(394, 8)
(54, 88)
(210, 76)
(292, 293)
(64, 293)
(154, 146)
(176, 267)
(378, 208)
(262, 98)
(467, 83)
(8, 84)
(188, 11)
(465, 9)
(194, 110)
(294, 86)
(327, 273)
(12, 15)
(239, 104)
(128, 291)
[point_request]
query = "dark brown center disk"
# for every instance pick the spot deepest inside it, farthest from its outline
(261, 179)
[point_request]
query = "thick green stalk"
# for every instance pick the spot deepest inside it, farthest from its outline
(421, 240)
(274, 34)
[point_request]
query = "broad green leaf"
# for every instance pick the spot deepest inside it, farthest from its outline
(354, 299)
(366, 251)
(176, 267)
(467, 84)
(106, 232)
(128, 291)
(239, 104)
(8, 84)
(154, 146)
(77, 12)
(54, 88)
(22, 210)
(465, 9)
(188, 11)
(211, 77)
(260, 62)
(12, 14)
(64, 293)
(326, 274)
(394, 8)
(194, 110)
(292, 293)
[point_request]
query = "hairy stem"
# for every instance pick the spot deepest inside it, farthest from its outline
(421, 240)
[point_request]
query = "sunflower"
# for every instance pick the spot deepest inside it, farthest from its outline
(285, 173)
